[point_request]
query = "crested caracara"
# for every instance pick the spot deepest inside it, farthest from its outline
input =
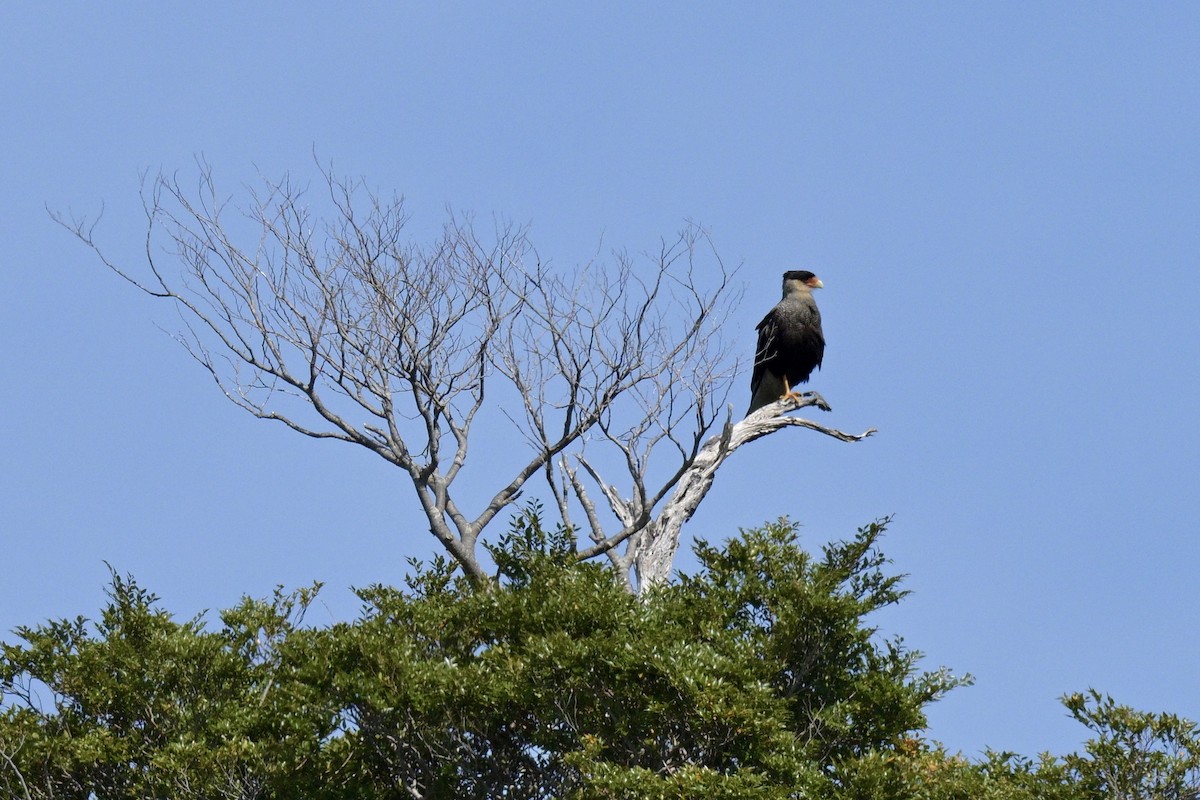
(790, 342)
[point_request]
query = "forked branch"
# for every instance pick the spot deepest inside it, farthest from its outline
(656, 538)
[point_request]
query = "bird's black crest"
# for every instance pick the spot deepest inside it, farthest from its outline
(801, 275)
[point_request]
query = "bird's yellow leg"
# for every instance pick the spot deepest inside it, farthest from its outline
(789, 393)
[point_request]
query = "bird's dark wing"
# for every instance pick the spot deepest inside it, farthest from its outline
(768, 347)
(819, 344)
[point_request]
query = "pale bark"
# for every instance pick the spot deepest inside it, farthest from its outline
(658, 538)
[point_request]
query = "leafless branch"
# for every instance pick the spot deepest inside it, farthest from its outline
(661, 538)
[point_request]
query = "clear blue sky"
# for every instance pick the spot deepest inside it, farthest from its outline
(1002, 199)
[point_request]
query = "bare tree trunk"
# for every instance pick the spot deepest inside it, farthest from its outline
(660, 541)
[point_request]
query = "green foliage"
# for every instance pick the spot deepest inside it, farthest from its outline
(1135, 754)
(804, 619)
(528, 547)
(752, 678)
(920, 770)
(144, 706)
(757, 677)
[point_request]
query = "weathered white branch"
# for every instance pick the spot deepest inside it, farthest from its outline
(660, 539)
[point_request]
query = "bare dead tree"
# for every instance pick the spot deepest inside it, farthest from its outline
(338, 327)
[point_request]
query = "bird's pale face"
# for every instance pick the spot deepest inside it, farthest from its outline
(800, 281)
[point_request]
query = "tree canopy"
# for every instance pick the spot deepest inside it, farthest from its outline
(759, 676)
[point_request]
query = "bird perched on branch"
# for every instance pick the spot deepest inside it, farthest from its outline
(790, 342)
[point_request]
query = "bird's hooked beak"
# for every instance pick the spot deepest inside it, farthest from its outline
(815, 283)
